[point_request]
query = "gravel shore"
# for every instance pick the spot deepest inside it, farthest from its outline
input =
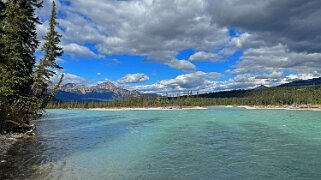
(8, 140)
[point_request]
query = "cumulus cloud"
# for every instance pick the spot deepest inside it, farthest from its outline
(156, 29)
(203, 56)
(270, 76)
(78, 50)
(203, 82)
(192, 81)
(276, 35)
(277, 58)
(60, 60)
(294, 23)
(273, 36)
(207, 82)
(42, 30)
(70, 78)
(133, 78)
(181, 65)
(160, 29)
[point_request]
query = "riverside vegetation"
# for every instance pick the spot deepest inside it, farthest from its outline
(277, 96)
(24, 83)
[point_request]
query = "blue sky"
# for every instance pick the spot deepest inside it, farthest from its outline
(168, 46)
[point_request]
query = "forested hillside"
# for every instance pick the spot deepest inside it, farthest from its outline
(309, 82)
(264, 97)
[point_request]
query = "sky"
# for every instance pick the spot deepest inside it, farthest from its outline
(167, 46)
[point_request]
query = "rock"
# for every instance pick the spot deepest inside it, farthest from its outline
(101, 92)
(3, 161)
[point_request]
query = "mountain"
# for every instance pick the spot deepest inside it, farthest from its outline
(106, 91)
(309, 82)
(262, 87)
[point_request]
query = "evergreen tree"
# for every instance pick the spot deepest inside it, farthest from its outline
(2, 8)
(47, 65)
(2, 15)
(19, 41)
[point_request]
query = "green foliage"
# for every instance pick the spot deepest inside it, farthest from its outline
(23, 86)
(45, 70)
(19, 42)
(260, 97)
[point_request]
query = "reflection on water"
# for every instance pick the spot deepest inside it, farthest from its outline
(219, 143)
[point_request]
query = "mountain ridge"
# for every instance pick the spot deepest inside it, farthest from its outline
(308, 82)
(106, 91)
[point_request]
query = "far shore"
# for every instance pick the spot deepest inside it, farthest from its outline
(269, 107)
(147, 108)
(294, 108)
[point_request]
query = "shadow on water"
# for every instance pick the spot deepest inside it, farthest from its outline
(59, 138)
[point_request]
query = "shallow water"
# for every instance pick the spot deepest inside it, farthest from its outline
(218, 143)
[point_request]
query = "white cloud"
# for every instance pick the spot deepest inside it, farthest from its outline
(294, 23)
(71, 78)
(303, 76)
(99, 73)
(274, 74)
(60, 60)
(206, 82)
(160, 29)
(182, 65)
(133, 78)
(155, 29)
(203, 56)
(193, 81)
(203, 82)
(277, 58)
(78, 50)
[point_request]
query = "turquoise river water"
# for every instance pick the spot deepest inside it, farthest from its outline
(218, 143)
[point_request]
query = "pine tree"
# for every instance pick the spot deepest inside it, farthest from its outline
(2, 8)
(19, 40)
(2, 16)
(47, 65)
(2, 60)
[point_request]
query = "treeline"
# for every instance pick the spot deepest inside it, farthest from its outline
(23, 83)
(260, 97)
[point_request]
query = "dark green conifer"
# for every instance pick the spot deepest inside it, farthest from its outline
(2, 8)
(47, 65)
(19, 41)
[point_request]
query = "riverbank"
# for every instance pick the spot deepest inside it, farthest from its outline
(295, 108)
(5, 143)
(269, 107)
(148, 108)
(8, 140)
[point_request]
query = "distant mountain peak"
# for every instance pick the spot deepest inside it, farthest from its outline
(106, 85)
(69, 85)
(105, 91)
(309, 82)
(261, 87)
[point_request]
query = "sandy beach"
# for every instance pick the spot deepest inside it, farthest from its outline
(294, 108)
